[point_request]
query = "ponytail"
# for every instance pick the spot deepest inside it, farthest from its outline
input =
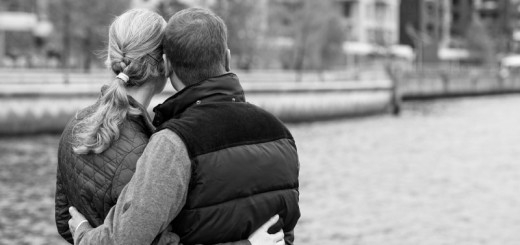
(134, 47)
(97, 130)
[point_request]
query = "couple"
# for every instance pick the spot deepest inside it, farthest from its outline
(210, 168)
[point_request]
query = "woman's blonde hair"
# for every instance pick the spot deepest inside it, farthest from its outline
(135, 49)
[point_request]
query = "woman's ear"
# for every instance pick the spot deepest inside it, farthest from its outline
(228, 60)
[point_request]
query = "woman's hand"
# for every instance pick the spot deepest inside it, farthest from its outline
(75, 221)
(262, 237)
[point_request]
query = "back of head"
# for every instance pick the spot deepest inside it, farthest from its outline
(195, 43)
(135, 45)
(134, 49)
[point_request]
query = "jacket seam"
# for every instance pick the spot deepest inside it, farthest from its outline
(244, 197)
(117, 172)
(242, 143)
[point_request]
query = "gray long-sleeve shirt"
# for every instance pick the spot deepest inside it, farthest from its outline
(151, 200)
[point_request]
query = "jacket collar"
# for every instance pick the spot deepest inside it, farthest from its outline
(221, 88)
(144, 118)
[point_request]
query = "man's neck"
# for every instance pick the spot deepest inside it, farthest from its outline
(178, 84)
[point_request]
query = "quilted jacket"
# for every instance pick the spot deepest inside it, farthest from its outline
(93, 182)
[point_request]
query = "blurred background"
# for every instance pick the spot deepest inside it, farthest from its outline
(405, 112)
(277, 34)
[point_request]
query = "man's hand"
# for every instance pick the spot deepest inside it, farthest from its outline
(262, 237)
(76, 221)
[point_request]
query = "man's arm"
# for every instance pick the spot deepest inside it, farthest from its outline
(151, 200)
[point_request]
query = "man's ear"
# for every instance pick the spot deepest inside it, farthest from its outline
(167, 67)
(228, 60)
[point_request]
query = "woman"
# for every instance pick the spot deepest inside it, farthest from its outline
(100, 146)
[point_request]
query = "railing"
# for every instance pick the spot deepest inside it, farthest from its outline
(54, 76)
(455, 81)
(41, 103)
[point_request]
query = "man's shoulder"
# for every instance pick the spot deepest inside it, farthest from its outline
(166, 136)
(164, 148)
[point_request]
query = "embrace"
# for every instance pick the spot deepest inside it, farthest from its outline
(210, 168)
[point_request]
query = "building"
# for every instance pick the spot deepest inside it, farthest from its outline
(425, 26)
(515, 26)
(496, 15)
(370, 24)
(372, 27)
(461, 18)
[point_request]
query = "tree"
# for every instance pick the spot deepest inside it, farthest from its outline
(167, 8)
(480, 42)
(332, 44)
(246, 28)
(82, 27)
(315, 28)
(244, 20)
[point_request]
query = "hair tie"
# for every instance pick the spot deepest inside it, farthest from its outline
(123, 77)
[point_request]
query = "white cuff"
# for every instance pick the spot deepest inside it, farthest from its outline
(80, 223)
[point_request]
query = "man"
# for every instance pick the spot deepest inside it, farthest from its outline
(217, 168)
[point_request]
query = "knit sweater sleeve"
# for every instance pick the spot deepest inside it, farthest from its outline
(151, 200)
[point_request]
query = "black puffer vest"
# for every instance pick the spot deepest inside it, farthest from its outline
(244, 163)
(93, 182)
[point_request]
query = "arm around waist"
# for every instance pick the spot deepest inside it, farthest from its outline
(151, 200)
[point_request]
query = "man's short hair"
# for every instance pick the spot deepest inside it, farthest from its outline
(195, 43)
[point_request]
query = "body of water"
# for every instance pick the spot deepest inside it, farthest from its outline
(444, 172)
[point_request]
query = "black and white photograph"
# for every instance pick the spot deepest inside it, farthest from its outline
(260, 122)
